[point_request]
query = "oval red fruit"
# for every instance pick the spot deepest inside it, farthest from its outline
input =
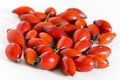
(13, 52)
(49, 60)
(84, 63)
(68, 66)
(30, 56)
(102, 51)
(16, 36)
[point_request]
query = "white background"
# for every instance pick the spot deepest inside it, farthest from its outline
(95, 9)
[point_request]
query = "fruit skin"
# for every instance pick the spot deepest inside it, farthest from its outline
(64, 42)
(40, 26)
(35, 42)
(80, 23)
(103, 25)
(30, 18)
(77, 11)
(15, 36)
(100, 62)
(68, 28)
(70, 52)
(101, 50)
(81, 34)
(84, 63)
(82, 46)
(31, 34)
(106, 38)
(40, 15)
(23, 26)
(49, 60)
(55, 32)
(45, 36)
(94, 30)
(68, 66)
(57, 20)
(13, 52)
(43, 48)
(30, 56)
(70, 16)
(23, 10)
(51, 11)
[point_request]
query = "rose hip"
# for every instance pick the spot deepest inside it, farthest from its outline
(13, 52)
(30, 56)
(15, 36)
(68, 66)
(50, 40)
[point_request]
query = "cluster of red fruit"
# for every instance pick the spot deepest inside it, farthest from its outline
(48, 40)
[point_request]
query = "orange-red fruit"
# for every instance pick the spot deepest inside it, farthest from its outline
(30, 56)
(40, 15)
(30, 18)
(23, 10)
(68, 66)
(43, 48)
(64, 42)
(77, 11)
(49, 60)
(70, 16)
(81, 34)
(103, 25)
(39, 27)
(23, 26)
(94, 30)
(13, 52)
(16, 36)
(35, 42)
(55, 32)
(106, 38)
(84, 63)
(45, 36)
(57, 20)
(102, 51)
(73, 53)
(100, 62)
(31, 34)
(82, 46)
(51, 11)
(80, 23)
(68, 28)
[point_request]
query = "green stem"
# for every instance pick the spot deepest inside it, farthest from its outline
(58, 25)
(46, 20)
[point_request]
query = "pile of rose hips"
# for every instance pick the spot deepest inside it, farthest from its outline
(49, 40)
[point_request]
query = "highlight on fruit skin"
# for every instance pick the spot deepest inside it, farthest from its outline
(23, 10)
(13, 52)
(15, 36)
(50, 40)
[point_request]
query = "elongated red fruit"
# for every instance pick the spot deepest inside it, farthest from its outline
(103, 25)
(68, 66)
(23, 26)
(23, 10)
(102, 51)
(106, 38)
(16, 36)
(55, 32)
(84, 63)
(30, 56)
(64, 42)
